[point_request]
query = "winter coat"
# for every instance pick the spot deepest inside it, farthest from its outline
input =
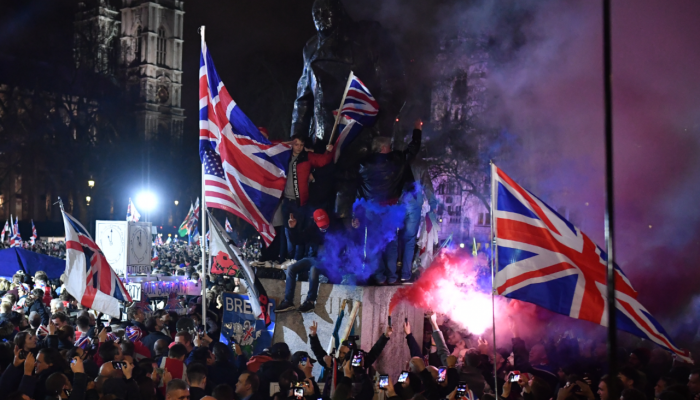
(383, 175)
(300, 170)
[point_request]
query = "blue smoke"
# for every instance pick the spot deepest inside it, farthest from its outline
(344, 251)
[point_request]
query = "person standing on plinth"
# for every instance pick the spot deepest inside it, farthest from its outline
(341, 46)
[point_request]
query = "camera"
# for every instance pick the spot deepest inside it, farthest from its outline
(514, 376)
(298, 390)
(383, 381)
(442, 374)
(461, 390)
(357, 358)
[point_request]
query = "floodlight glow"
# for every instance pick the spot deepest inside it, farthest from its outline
(461, 245)
(146, 201)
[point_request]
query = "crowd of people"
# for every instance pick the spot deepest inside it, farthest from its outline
(54, 348)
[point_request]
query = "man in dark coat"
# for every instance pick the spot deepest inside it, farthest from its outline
(341, 46)
(271, 370)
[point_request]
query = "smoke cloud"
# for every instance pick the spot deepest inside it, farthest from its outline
(545, 85)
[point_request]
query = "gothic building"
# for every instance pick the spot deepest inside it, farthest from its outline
(139, 43)
(119, 98)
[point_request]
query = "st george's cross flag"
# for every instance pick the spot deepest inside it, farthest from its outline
(91, 280)
(543, 259)
(359, 110)
(244, 173)
(131, 213)
(226, 259)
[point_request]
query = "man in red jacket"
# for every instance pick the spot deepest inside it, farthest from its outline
(296, 191)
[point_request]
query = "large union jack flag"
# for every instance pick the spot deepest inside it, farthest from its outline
(359, 109)
(91, 280)
(543, 259)
(244, 173)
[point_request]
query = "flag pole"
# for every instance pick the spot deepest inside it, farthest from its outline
(342, 101)
(493, 280)
(609, 199)
(203, 235)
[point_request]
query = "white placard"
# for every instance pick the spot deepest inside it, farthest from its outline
(112, 238)
(134, 291)
(139, 253)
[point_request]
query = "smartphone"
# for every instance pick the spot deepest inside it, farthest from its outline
(299, 393)
(383, 381)
(105, 324)
(23, 354)
(461, 390)
(442, 374)
(514, 376)
(304, 360)
(117, 364)
(402, 377)
(357, 357)
(159, 371)
(73, 361)
(200, 330)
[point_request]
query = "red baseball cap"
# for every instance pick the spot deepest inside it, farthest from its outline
(321, 219)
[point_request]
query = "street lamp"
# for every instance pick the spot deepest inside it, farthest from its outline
(177, 202)
(91, 183)
(88, 198)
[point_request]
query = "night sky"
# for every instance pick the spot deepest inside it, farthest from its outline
(549, 98)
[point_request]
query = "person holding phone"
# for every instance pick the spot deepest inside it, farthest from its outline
(470, 372)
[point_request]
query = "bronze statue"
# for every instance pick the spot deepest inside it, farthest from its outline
(340, 46)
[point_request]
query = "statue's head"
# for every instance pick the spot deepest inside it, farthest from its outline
(327, 15)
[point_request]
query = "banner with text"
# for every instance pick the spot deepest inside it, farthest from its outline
(241, 326)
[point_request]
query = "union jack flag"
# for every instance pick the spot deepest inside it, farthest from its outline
(91, 280)
(244, 173)
(83, 341)
(543, 259)
(32, 240)
(6, 229)
(359, 110)
(228, 226)
(194, 218)
(131, 213)
(15, 238)
(155, 255)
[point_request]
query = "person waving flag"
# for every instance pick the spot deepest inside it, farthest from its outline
(244, 173)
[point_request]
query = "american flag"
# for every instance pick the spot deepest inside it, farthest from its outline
(32, 240)
(544, 259)
(244, 173)
(131, 213)
(6, 229)
(359, 110)
(91, 280)
(15, 238)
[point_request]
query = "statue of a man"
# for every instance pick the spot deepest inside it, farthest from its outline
(341, 46)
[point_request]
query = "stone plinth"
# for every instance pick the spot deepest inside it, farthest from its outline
(292, 327)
